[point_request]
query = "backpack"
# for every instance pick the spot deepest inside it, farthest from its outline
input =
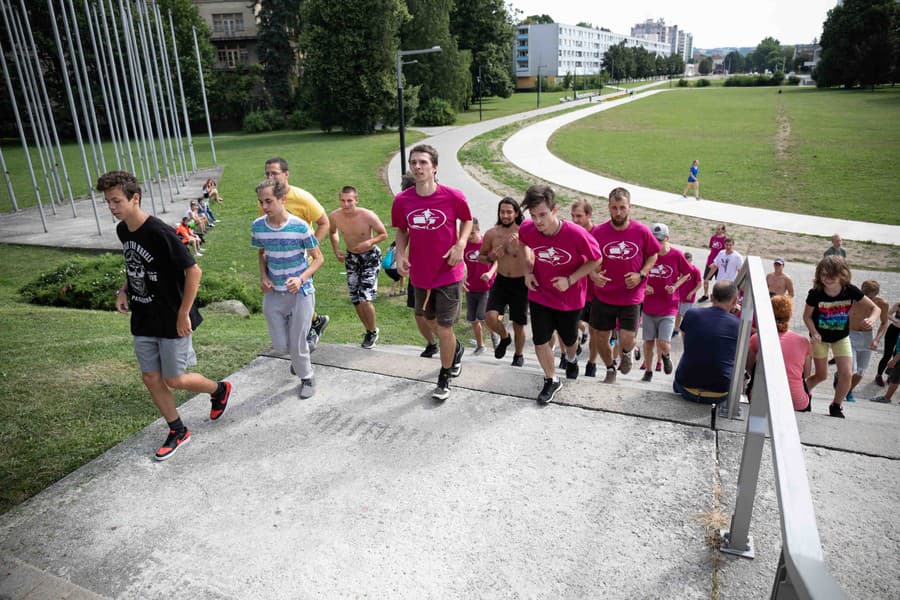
(388, 261)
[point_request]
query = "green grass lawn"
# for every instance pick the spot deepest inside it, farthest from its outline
(832, 153)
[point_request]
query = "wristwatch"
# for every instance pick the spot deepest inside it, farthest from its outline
(643, 277)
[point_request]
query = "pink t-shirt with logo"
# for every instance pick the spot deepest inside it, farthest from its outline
(716, 243)
(686, 291)
(623, 252)
(432, 225)
(475, 269)
(559, 256)
(669, 268)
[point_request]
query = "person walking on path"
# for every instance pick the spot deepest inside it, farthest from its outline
(362, 231)
(479, 278)
(286, 244)
(301, 203)
(162, 283)
(501, 246)
(827, 317)
(564, 255)
(836, 249)
(779, 282)
(629, 251)
(434, 221)
(693, 180)
(716, 245)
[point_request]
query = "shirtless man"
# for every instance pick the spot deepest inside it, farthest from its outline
(501, 245)
(779, 282)
(362, 231)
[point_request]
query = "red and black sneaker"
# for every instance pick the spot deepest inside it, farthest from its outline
(173, 443)
(219, 403)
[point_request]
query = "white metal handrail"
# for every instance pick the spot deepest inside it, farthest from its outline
(802, 572)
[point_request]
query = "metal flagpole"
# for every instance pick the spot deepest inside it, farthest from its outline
(100, 60)
(212, 145)
(75, 123)
(40, 75)
(9, 186)
(187, 123)
(114, 73)
(170, 92)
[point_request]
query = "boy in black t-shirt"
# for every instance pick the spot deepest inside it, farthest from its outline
(163, 279)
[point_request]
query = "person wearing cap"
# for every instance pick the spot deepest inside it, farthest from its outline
(779, 282)
(668, 274)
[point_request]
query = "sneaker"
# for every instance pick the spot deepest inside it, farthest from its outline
(610, 375)
(584, 338)
(518, 360)
(479, 351)
(495, 339)
(429, 351)
(456, 368)
(571, 369)
(442, 390)
(219, 403)
(312, 340)
(667, 364)
(173, 442)
(625, 365)
(835, 410)
(562, 361)
(880, 400)
(703, 299)
(549, 390)
(637, 353)
(849, 397)
(590, 370)
(307, 388)
(879, 380)
(659, 365)
(502, 345)
(648, 376)
(369, 339)
(320, 323)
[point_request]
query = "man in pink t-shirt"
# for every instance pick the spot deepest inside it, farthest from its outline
(629, 251)
(716, 245)
(426, 218)
(564, 255)
(670, 272)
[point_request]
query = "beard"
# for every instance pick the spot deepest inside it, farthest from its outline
(619, 222)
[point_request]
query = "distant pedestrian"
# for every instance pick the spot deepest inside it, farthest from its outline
(716, 245)
(162, 283)
(693, 180)
(779, 282)
(836, 248)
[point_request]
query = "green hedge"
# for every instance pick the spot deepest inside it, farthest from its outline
(263, 120)
(436, 111)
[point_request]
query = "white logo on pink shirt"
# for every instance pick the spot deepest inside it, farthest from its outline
(426, 218)
(623, 250)
(662, 271)
(552, 256)
(472, 256)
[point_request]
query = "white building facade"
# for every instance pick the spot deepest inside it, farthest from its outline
(553, 49)
(680, 42)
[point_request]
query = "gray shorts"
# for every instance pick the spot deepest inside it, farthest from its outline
(169, 356)
(861, 344)
(658, 328)
(683, 307)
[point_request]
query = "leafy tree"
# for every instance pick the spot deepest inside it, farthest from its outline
(734, 62)
(349, 51)
(538, 20)
(584, 24)
(485, 28)
(279, 22)
(860, 44)
(705, 67)
(766, 56)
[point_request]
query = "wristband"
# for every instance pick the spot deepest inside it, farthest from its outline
(569, 281)
(643, 277)
(121, 290)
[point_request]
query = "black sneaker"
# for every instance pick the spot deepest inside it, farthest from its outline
(442, 391)
(584, 337)
(667, 364)
(702, 299)
(219, 403)
(173, 442)
(456, 368)
(637, 353)
(320, 323)
(369, 339)
(500, 350)
(648, 376)
(549, 390)
(590, 370)
(571, 369)
(835, 410)
(429, 351)
(518, 360)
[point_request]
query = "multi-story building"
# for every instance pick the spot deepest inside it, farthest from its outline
(553, 49)
(680, 42)
(233, 29)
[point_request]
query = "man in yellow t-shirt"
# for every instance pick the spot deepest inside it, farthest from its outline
(302, 204)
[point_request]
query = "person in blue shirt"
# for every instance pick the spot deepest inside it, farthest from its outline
(693, 180)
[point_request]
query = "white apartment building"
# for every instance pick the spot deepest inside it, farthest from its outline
(554, 49)
(680, 42)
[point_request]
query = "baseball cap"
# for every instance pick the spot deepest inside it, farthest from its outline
(660, 231)
(779, 261)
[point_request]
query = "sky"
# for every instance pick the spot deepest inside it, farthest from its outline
(713, 23)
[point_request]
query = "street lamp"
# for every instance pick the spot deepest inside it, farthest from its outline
(539, 85)
(400, 63)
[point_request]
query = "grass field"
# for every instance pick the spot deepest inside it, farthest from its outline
(832, 153)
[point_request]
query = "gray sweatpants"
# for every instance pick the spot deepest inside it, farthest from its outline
(288, 317)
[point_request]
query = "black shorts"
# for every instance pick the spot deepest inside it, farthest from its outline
(707, 270)
(546, 320)
(410, 295)
(394, 274)
(443, 303)
(604, 316)
(509, 291)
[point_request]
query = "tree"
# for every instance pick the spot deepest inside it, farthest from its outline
(279, 22)
(584, 24)
(705, 67)
(766, 56)
(485, 28)
(538, 20)
(734, 62)
(860, 44)
(349, 51)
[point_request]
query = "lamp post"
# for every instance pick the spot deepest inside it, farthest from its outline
(400, 63)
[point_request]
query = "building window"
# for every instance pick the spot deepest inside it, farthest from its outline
(228, 22)
(233, 55)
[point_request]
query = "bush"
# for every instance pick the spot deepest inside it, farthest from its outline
(793, 80)
(91, 283)
(703, 82)
(682, 82)
(436, 111)
(263, 120)
(299, 120)
(754, 80)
